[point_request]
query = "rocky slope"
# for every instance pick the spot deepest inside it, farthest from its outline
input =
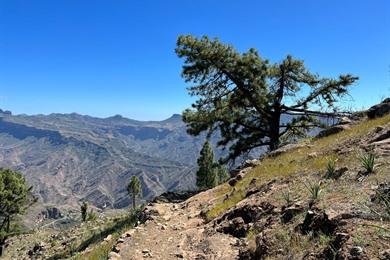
(270, 210)
(70, 157)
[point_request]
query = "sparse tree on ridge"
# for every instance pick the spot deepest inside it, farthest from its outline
(134, 189)
(84, 211)
(15, 198)
(244, 96)
(206, 176)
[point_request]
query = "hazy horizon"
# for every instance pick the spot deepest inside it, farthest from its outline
(102, 59)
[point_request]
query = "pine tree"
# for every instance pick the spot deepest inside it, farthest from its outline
(206, 176)
(243, 96)
(222, 173)
(15, 198)
(84, 211)
(134, 189)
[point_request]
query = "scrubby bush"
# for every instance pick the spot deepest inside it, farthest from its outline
(314, 190)
(331, 169)
(92, 216)
(287, 197)
(368, 162)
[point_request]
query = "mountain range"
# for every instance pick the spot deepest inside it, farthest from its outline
(69, 158)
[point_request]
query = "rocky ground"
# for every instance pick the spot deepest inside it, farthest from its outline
(268, 210)
(284, 206)
(176, 231)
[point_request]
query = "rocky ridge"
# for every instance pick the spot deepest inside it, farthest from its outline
(261, 216)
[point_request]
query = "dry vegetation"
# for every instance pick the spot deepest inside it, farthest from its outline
(309, 162)
(298, 172)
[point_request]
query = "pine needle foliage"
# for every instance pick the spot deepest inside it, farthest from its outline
(207, 175)
(243, 96)
(134, 189)
(15, 198)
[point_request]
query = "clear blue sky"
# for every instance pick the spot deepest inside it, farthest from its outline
(117, 57)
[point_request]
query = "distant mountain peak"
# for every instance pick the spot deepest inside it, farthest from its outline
(174, 118)
(5, 112)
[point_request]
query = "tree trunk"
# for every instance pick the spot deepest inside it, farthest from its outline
(133, 202)
(2, 246)
(274, 131)
(4, 239)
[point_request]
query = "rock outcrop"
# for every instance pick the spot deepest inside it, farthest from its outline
(379, 110)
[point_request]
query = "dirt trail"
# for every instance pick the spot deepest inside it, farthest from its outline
(178, 232)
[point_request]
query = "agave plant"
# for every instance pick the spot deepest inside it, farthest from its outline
(368, 162)
(314, 190)
(286, 196)
(331, 168)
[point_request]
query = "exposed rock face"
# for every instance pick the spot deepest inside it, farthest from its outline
(288, 213)
(263, 188)
(260, 252)
(332, 250)
(286, 148)
(235, 227)
(52, 213)
(317, 221)
(174, 197)
(332, 130)
(249, 213)
(70, 157)
(380, 109)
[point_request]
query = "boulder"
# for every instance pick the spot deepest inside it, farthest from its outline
(384, 255)
(332, 130)
(288, 213)
(332, 251)
(380, 109)
(262, 247)
(235, 227)
(113, 256)
(339, 172)
(260, 252)
(345, 121)
(148, 214)
(249, 213)
(174, 196)
(108, 238)
(317, 221)
(52, 213)
(261, 189)
(380, 136)
(287, 148)
(232, 182)
(250, 163)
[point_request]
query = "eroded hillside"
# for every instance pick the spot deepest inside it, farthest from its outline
(270, 210)
(70, 157)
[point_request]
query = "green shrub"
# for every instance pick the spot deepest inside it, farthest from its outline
(314, 190)
(331, 169)
(368, 162)
(382, 198)
(286, 196)
(92, 216)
